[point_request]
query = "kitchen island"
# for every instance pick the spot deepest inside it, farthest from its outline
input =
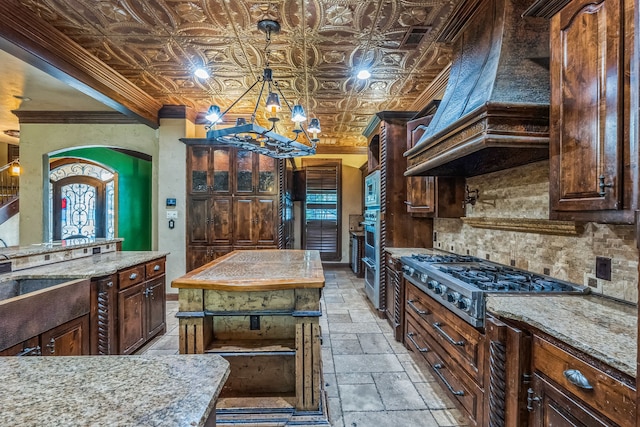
(111, 390)
(260, 310)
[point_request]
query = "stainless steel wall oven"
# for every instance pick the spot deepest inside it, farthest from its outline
(371, 258)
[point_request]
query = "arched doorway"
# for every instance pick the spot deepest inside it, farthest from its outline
(83, 197)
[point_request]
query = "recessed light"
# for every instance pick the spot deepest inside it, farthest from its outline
(13, 133)
(22, 98)
(364, 74)
(201, 73)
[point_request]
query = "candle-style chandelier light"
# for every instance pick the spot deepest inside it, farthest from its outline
(248, 135)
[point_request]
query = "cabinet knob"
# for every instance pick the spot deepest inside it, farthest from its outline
(133, 276)
(52, 346)
(109, 284)
(156, 268)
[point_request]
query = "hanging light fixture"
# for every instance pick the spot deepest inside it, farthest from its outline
(14, 168)
(248, 135)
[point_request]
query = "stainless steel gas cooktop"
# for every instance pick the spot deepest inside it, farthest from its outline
(460, 282)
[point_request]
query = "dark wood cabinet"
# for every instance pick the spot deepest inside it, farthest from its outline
(395, 295)
(593, 171)
(141, 305)
(68, 339)
(441, 197)
(537, 380)
(387, 135)
(233, 202)
(569, 390)
(553, 407)
(453, 350)
(255, 221)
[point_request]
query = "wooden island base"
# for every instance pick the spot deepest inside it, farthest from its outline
(260, 311)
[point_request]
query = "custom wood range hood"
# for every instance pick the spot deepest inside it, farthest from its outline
(495, 110)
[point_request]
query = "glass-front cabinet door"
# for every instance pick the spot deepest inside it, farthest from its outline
(244, 172)
(221, 170)
(199, 179)
(267, 175)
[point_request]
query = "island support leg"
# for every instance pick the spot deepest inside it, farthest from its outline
(308, 365)
(196, 329)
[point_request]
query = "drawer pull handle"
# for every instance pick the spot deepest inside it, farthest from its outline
(416, 309)
(133, 276)
(156, 268)
(31, 351)
(446, 336)
(576, 378)
(410, 335)
(437, 368)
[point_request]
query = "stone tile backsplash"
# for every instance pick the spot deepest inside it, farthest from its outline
(523, 192)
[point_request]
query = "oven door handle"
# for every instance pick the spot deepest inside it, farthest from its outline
(369, 263)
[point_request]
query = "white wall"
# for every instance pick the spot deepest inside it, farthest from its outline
(172, 184)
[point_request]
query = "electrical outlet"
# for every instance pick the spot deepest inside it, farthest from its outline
(603, 268)
(171, 214)
(254, 323)
(95, 250)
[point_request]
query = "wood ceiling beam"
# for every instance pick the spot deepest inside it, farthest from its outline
(38, 43)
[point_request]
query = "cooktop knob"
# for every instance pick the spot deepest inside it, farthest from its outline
(411, 270)
(423, 278)
(441, 290)
(432, 284)
(464, 303)
(453, 296)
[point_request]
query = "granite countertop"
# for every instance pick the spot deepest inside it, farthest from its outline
(45, 248)
(92, 266)
(400, 252)
(601, 327)
(176, 390)
(248, 271)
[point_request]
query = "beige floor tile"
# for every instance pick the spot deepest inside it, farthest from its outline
(370, 379)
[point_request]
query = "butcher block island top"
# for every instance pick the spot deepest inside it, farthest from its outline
(257, 270)
(260, 310)
(111, 390)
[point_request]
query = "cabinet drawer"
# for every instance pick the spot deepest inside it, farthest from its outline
(131, 276)
(602, 392)
(460, 340)
(458, 385)
(155, 268)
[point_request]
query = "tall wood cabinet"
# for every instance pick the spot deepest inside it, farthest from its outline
(233, 202)
(593, 153)
(430, 196)
(387, 136)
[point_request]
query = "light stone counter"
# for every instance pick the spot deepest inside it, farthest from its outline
(45, 248)
(602, 328)
(399, 252)
(92, 266)
(177, 390)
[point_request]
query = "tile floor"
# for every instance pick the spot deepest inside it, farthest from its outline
(370, 379)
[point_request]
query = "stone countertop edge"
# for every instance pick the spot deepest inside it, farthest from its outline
(45, 248)
(602, 328)
(88, 267)
(170, 390)
(399, 252)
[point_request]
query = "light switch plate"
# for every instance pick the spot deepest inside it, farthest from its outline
(171, 214)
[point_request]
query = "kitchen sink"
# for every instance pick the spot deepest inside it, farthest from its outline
(21, 286)
(31, 306)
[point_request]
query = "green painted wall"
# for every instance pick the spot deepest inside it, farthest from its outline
(134, 193)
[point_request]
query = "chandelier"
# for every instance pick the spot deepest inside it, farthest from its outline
(248, 135)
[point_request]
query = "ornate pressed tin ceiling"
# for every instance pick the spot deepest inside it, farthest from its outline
(156, 44)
